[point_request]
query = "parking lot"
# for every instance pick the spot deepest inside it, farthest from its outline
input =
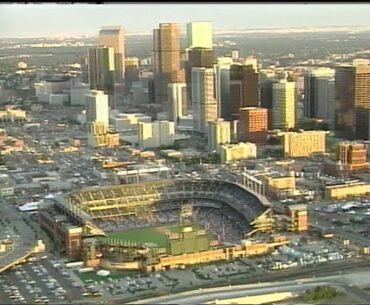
(36, 282)
(49, 279)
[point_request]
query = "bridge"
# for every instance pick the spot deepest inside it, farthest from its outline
(18, 255)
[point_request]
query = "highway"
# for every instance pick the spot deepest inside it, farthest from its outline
(345, 282)
(26, 237)
(346, 276)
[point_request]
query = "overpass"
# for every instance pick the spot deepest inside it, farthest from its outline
(17, 256)
(25, 242)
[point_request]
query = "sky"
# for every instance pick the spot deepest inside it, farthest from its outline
(49, 19)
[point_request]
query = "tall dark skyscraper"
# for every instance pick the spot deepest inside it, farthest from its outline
(131, 71)
(222, 90)
(244, 91)
(266, 97)
(352, 101)
(101, 71)
(166, 59)
(313, 96)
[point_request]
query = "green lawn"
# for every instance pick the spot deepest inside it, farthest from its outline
(145, 235)
(141, 235)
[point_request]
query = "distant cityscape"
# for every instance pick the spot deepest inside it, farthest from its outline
(204, 166)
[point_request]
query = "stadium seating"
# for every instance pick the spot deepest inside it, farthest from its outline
(156, 202)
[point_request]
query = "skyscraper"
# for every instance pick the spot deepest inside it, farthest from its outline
(199, 35)
(197, 58)
(101, 69)
(131, 71)
(244, 90)
(222, 90)
(205, 106)
(178, 101)
(283, 105)
(314, 99)
(84, 62)
(235, 54)
(326, 100)
(253, 125)
(112, 36)
(251, 61)
(201, 57)
(97, 107)
(166, 59)
(352, 101)
(218, 134)
(265, 84)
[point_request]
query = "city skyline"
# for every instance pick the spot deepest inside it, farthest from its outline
(26, 20)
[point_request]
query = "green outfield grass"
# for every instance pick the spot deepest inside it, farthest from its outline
(141, 235)
(145, 235)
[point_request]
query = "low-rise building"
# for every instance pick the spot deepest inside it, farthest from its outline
(129, 121)
(303, 143)
(10, 144)
(352, 156)
(346, 189)
(253, 122)
(11, 114)
(156, 134)
(278, 186)
(240, 151)
(98, 135)
(78, 93)
(297, 214)
(218, 134)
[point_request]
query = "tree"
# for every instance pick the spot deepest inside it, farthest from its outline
(319, 293)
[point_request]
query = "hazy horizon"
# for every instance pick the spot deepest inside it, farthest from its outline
(37, 20)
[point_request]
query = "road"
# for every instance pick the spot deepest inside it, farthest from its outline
(357, 275)
(346, 282)
(26, 239)
(360, 295)
(318, 222)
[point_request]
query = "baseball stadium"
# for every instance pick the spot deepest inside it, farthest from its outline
(160, 224)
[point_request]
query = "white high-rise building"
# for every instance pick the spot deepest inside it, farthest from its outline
(218, 134)
(251, 61)
(97, 109)
(205, 106)
(156, 134)
(199, 35)
(177, 100)
(283, 105)
(235, 54)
